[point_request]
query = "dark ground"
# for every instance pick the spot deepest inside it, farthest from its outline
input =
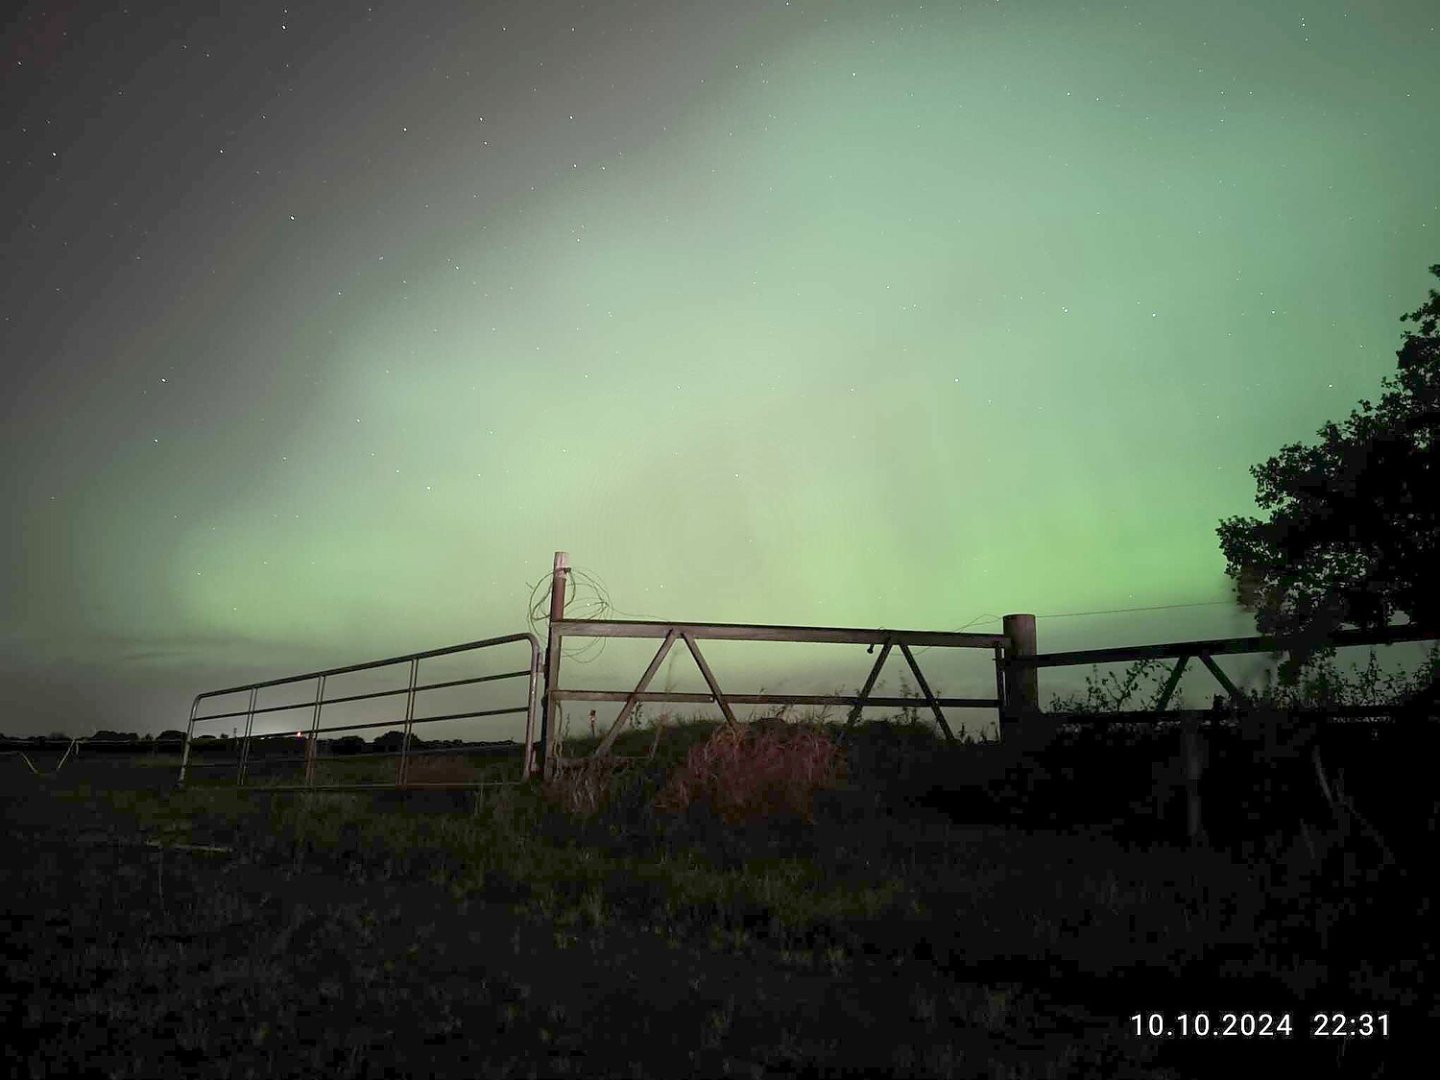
(123, 960)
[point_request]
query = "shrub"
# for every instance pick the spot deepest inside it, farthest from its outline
(747, 774)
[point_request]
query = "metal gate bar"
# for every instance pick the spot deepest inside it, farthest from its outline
(530, 708)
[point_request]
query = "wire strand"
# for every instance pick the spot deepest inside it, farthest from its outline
(599, 606)
(1122, 611)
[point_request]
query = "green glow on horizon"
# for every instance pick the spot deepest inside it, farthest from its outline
(991, 316)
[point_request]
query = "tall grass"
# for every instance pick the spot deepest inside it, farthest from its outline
(1336, 791)
(779, 840)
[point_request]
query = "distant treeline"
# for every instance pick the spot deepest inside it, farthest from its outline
(128, 742)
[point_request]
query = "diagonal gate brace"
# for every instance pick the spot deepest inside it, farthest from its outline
(1236, 695)
(929, 697)
(869, 685)
(629, 707)
(1172, 682)
(919, 678)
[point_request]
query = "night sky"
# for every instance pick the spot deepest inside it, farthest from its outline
(324, 327)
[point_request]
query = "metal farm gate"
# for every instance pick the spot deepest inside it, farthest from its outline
(405, 753)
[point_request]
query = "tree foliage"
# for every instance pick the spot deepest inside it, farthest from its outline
(1354, 521)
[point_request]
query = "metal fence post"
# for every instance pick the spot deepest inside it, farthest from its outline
(1022, 689)
(314, 729)
(189, 734)
(549, 736)
(245, 746)
(404, 770)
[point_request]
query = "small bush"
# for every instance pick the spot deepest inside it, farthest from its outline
(771, 768)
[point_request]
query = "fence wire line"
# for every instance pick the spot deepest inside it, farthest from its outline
(539, 610)
(598, 607)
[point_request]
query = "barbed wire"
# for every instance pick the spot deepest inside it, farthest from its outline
(596, 608)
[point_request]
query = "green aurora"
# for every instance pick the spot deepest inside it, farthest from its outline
(855, 315)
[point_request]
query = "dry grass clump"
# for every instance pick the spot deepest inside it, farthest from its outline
(581, 786)
(439, 769)
(756, 771)
(744, 771)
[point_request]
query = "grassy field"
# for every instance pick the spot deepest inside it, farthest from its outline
(799, 902)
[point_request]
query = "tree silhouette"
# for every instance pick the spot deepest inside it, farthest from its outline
(1352, 537)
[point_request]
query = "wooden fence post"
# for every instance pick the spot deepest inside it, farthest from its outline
(1022, 684)
(549, 735)
(1192, 753)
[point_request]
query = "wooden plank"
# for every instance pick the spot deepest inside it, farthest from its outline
(767, 699)
(747, 632)
(1172, 682)
(631, 698)
(1222, 646)
(1222, 678)
(864, 697)
(709, 677)
(929, 697)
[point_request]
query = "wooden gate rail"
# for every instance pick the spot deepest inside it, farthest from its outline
(1205, 651)
(690, 633)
